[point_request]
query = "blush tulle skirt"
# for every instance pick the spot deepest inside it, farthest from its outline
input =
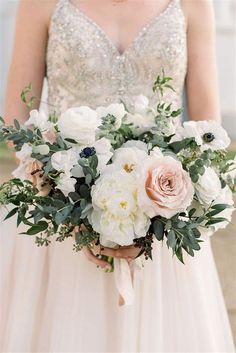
(54, 300)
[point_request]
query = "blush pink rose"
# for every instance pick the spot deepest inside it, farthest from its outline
(165, 187)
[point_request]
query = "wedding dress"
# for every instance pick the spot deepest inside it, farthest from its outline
(54, 299)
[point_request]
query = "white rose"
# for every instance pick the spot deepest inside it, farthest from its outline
(207, 134)
(64, 160)
(208, 186)
(116, 110)
(39, 120)
(66, 184)
(116, 215)
(79, 124)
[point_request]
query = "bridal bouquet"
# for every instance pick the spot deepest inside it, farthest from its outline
(116, 177)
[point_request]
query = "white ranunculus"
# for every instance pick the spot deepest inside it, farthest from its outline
(208, 186)
(116, 215)
(200, 129)
(66, 184)
(141, 122)
(128, 158)
(25, 152)
(79, 124)
(117, 110)
(64, 160)
(39, 120)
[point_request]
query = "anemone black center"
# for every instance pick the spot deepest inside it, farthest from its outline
(208, 137)
(87, 152)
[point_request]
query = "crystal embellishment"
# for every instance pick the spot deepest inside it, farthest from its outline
(85, 68)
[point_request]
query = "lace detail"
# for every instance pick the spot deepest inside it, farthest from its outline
(85, 68)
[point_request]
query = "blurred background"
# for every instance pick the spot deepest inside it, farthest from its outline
(224, 242)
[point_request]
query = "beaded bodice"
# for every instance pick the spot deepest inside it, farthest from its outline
(85, 68)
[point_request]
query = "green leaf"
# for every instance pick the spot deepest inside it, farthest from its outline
(37, 228)
(181, 224)
(11, 213)
(213, 213)
(84, 191)
(74, 196)
(71, 140)
(171, 239)
(75, 215)
(88, 179)
(216, 220)
(221, 206)
(191, 212)
(93, 160)
(179, 254)
(62, 214)
(17, 124)
(158, 229)
(196, 232)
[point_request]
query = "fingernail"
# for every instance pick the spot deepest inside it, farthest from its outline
(107, 267)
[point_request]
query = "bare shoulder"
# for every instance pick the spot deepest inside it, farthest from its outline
(198, 12)
(39, 11)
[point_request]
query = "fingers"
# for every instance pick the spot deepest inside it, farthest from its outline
(129, 252)
(99, 262)
(125, 252)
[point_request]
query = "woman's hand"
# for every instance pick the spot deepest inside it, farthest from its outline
(123, 252)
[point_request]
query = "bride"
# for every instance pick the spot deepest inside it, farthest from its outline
(93, 53)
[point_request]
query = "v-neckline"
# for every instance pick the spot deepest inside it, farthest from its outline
(106, 36)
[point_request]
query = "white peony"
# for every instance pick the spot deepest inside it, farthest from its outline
(128, 158)
(207, 134)
(136, 143)
(39, 120)
(66, 184)
(116, 110)
(79, 124)
(116, 215)
(64, 160)
(208, 186)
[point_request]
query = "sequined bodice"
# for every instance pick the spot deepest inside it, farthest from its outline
(85, 68)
